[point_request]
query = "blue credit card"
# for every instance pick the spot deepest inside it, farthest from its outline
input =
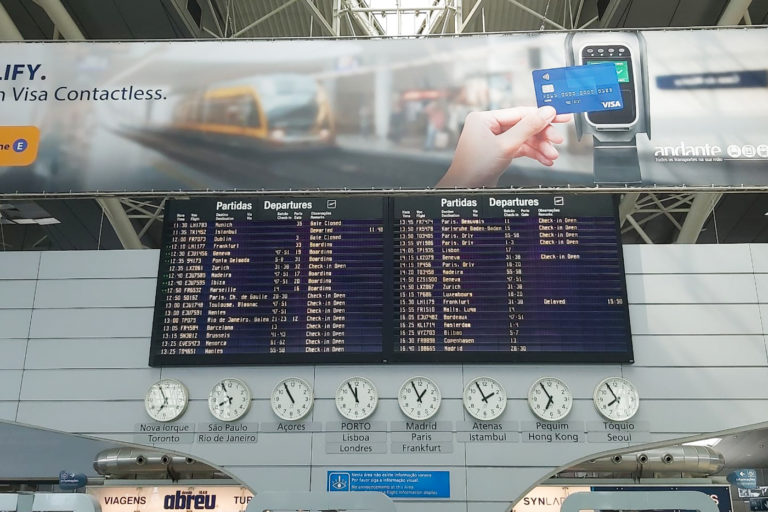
(588, 88)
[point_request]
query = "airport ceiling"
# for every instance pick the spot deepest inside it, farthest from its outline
(72, 223)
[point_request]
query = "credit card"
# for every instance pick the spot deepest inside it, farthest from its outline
(589, 88)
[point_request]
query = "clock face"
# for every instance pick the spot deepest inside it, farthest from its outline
(292, 399)
(356, 398)
(550, 399)
(229, 399)
(166, 400)
(616, 399)
(484, 398)
(419, 398)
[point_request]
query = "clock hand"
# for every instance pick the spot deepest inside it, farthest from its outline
(354, 392)
(289, 393)
(485, 398)
(224, 402)
(545, 390)
(488, 396)
(418, 396)
(549, 402)
(609, 389)
(422, 393)
(162, 393)
(612, 402)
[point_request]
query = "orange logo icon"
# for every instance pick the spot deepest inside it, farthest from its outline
(18, 145)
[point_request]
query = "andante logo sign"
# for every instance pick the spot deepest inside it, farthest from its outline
(188, 501)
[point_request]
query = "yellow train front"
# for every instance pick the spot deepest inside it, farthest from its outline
(268, 112)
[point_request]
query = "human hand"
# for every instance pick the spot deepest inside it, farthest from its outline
(491, 140)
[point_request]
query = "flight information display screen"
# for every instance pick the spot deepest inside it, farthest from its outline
(274, 279)
(401, 278)
(509, 278)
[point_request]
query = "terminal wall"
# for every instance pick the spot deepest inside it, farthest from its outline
(74, 339)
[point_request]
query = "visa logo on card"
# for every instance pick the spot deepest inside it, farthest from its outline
(588, 88)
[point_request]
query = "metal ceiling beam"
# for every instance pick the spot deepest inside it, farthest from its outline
(612, 13)
(336, 17)
(212, 12)
(313, 8)
(537, 14)
(114, 211)
(734, 12)
(627, 205)
(263, 18)
(61, 19)
(8, 30)
(144, 210)
(701, 208)
(640, 230)
(472, 12)
(359, 13)
(578, 13)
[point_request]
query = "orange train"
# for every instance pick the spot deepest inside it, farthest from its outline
(272, 111)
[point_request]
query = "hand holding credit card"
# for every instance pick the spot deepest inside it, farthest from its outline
(588, 88)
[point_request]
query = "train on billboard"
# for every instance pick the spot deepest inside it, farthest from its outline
(622, 108)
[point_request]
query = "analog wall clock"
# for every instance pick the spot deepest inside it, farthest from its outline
(616, 398)
(356, 398)
(166, 400)
(550, 399)
(292, 399)
(484, 398)
(419, 398)
(229, 399)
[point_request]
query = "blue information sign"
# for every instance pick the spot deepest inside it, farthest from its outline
(395, 484)
(744, 478)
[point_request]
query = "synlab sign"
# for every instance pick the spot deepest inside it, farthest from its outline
(550, 498)
(157, 499)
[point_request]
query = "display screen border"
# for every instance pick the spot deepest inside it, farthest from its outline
(388, 354)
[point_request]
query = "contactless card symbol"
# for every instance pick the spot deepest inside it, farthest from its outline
(338, 482)
(588, 88)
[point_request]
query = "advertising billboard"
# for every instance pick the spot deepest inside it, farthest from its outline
(685, 108)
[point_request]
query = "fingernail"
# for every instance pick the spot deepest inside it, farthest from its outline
(547, 112)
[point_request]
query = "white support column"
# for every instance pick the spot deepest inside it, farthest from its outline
(114, 211)
(61, 19)
(701, 208)
(734, 12)
(8, 30)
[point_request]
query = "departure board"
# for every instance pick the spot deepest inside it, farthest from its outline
(475, 277)
(509, 278)
(276, 279)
